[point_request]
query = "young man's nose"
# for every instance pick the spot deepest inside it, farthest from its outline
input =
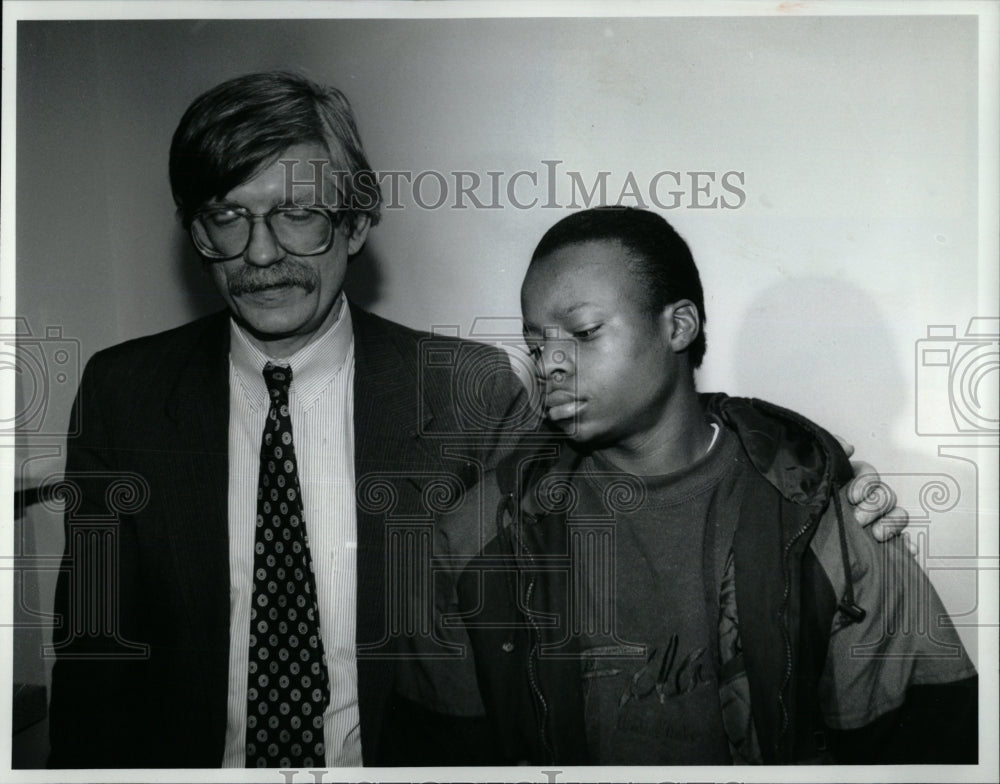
(263, 249)
(555, 362)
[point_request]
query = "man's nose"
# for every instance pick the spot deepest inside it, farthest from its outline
(555, 362)
(262, 249)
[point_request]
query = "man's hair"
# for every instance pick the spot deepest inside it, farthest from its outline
(657, 255)
(236, 129)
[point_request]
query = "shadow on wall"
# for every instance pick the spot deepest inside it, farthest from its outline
(363, 283)
(821, 346)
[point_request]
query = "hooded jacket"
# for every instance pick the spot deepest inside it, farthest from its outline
(828, 646)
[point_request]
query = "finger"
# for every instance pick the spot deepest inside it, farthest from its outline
(848, 448)
(867, 487)
(876, 502)
(878, 505)
(909, 543)
(892, 525)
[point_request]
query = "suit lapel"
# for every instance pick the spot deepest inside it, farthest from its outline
(388, 420)
(387, 424)
(198, 406)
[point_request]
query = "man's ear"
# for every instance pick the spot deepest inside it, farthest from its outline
(359, 225)
(680, 324)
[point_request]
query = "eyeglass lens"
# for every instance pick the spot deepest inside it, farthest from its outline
(226, 232)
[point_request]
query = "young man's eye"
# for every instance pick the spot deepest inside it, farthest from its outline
(584, 334)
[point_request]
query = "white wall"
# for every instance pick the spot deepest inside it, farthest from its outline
(857, 138)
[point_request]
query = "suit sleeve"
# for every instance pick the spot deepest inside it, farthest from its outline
(897, 686)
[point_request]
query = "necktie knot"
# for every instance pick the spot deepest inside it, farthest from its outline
(278, 379)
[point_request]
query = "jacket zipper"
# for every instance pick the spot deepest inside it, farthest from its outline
(532, 677)
(827, 477)
(785, 631)
(541, 704)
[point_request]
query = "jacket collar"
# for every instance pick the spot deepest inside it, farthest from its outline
(800, 459)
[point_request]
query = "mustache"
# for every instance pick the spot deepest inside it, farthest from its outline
(248, 280)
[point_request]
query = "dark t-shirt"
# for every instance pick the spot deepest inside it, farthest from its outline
(650, 650)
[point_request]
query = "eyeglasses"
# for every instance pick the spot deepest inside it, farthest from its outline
(224, 232)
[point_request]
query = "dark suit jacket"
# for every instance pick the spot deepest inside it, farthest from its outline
(142, 601)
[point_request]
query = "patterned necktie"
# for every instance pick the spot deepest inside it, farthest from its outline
(287, 685)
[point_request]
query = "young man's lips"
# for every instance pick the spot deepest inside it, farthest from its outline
(559, 397)
(562, 405)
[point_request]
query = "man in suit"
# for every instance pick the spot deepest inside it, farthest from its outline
(252, 497)
(162, 658)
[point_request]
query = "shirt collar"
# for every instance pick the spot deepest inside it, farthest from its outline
(314, 366)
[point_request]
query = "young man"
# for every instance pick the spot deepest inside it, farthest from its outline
(672, 579)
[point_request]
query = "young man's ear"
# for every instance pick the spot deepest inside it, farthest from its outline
(680, 324)
(358, 228)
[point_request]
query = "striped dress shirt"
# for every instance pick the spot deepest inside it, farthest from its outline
(321, 402)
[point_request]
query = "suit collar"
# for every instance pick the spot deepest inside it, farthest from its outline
(387, 374)
(201, 388)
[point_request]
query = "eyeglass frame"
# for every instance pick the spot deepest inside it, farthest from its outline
(336, 217)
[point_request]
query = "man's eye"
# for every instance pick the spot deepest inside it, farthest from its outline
(584, 334)
(224, 217)
(296, 216)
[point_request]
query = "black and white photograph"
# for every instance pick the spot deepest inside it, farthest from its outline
(481, 391)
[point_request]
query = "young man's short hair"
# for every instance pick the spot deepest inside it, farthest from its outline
(657, 254)
(241, 126)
